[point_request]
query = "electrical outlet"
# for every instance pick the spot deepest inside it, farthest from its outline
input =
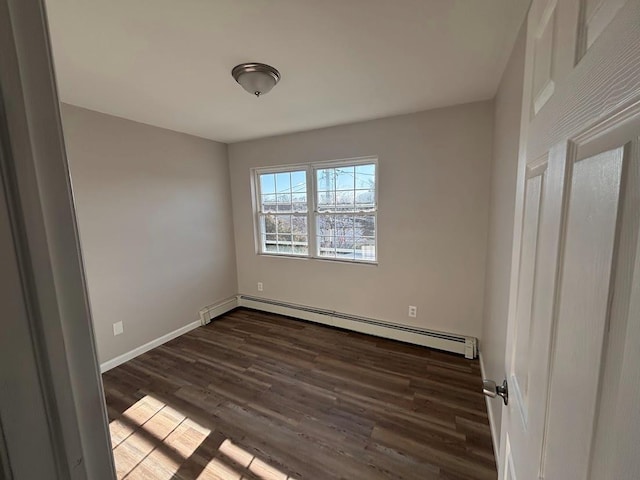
(260, 286)
(118, 328)
(413, 311)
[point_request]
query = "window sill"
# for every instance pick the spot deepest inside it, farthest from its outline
(321, 259)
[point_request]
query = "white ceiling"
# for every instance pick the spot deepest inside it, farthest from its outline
(168, 62)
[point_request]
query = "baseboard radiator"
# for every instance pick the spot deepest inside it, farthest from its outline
(210, 312)
(467, 346)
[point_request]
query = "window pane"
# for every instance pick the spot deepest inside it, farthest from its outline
(325, 225)
(268, 203)
(285, 246)
(365, 249)
(267, 183)
(325, 179)
(284, 202)
(366, 176)
(268, 224)
(365, 241)
(301, 245)
(365, 198)
(326, 247)
(284, 223)
(299, 225)
(283, 182)
(344, 243)
(345, 178)
(365, 225)
(343, 226)
(299, 182)
(326, 200)
(269, 243)
(299, 202)
(345, 199)
(345, 252)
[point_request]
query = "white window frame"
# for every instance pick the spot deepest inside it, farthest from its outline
(312, 212)
(257, 200)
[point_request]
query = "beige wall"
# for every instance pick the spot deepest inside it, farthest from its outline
(154, 213)
(434, 172)
(506, 138)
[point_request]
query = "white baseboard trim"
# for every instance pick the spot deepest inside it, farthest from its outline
(206, 315)
(418, 336)
(125, 357)
(492, 422)
(440, 340)
(214, 310)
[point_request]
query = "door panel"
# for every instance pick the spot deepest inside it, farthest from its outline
(543, 45)
(509, 470)
(528, 255)
(624, 449)
(612, 392)
(583, 303)
(595, 15)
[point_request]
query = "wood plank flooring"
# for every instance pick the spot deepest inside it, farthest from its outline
(259, 396)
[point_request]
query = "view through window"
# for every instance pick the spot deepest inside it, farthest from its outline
(324, 210)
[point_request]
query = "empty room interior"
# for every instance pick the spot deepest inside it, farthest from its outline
(356, 239)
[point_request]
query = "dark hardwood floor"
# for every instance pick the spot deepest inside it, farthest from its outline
(260, 396)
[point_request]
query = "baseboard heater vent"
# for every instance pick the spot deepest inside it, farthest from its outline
(467, 346)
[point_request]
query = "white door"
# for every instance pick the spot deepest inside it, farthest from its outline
(573, 341)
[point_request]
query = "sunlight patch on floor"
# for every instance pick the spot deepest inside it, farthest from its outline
(152, 440)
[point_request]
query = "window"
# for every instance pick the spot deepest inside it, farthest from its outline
(283, 213)
(346, 212)
(344, 199)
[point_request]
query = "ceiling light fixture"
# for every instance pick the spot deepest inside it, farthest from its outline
(256, 78)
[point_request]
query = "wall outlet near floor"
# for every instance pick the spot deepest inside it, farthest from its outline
(260, 288)
(118, 328)
(413, 311)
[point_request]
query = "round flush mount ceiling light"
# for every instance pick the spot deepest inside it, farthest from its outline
(256, 78)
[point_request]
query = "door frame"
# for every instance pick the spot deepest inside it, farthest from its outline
(57, 326)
